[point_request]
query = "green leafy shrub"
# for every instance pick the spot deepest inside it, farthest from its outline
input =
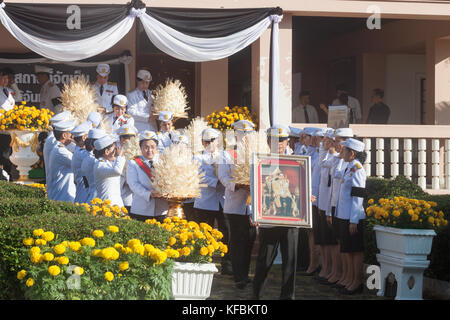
(154, 284)
(14, 190)
(31, 206)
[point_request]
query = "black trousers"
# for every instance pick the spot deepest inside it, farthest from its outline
(303, 250)
(189, 211)
(5, 152)
(242, 236)
(270, 239)
(223, 224)
(142, 218)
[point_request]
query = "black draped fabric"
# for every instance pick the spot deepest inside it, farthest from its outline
(210, 23)
(49, 21)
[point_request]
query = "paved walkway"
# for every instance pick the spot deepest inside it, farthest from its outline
(307, 288)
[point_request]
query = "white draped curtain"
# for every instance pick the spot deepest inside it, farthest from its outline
(165, 38)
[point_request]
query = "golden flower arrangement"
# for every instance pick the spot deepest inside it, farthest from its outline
(223, 119)
(99, 207)
(176, 174)
(254, 142)
(79, 97)
(405, 213)
(194, 133)
(23, 117)
(170, 97)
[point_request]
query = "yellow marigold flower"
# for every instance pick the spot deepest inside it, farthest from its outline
(21, 274)
(414, 217)
(204, 251)
(430, 219)
(38, 232)
(74, 246)
(131, 243)
(36, 258)
(28, 241)
(124, 210)
(78, 270)
(107, 201)
(124, 266)
(54, 270)
(118, 246)
(48, 256)
(185, 251)
(30, 282)
(40, 242)
(88, 242)
(98, 233)
(370, 201)
(109, 276)
(172, 241)
(183, 237)
(62, 260)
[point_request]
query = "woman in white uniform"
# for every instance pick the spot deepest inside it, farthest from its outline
(125, 133)
(350, 212)
(87, 165)
(166, 135)
(108, 169)
(146, 203)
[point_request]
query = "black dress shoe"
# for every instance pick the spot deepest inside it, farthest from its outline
(328, 283)
(358, 290)
(314, 272)
(227, 272)
(337, 286)
(242, 284)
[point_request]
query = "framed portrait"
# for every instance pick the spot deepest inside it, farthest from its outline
(281, 190)
(338, 117)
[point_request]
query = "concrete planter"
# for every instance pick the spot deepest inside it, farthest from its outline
(403, 252)
(192, 281)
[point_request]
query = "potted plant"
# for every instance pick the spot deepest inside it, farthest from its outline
(24, 123)
(193, 247)
(404, 233)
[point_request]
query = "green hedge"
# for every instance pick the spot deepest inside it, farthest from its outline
(402, 187)
(13, 190)
(32, 206)
(69, 226)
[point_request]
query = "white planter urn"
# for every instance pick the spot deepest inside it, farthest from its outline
(24, 145)
(403, 252)
(192, 281)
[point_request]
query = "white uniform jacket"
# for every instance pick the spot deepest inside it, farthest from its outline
(7, 101)
(140, 184)
(325, 180)
(61, 175)
(235, 199)
(105, 99)
(116, 122)
(214, 193)
(49, 97)
(107, 179)
(140, 109)
(87, 171)
(351, 196)
(77, 160)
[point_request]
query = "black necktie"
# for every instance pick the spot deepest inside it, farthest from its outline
(145, 95)
(6, 92)
(306, 115)
(114, 119)
(101, 90)
(150, 163)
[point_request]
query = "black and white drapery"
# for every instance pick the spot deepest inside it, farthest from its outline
(63, 32)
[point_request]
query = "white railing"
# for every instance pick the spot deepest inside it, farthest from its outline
(419, 152)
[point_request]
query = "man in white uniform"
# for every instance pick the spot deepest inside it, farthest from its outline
(50, 94)
(51, 142)
(105, 90)
(7, 101)
(80, 134)
(353, 104)
(60, 166)
(140, 103)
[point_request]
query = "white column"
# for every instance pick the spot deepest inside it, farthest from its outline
(422, 167)
(435, 161)
(394, 157)
(407, 158)
(380, 157)
(367, 149)
(447, 164)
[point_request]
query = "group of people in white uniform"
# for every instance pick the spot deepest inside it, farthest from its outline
(85, 161)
